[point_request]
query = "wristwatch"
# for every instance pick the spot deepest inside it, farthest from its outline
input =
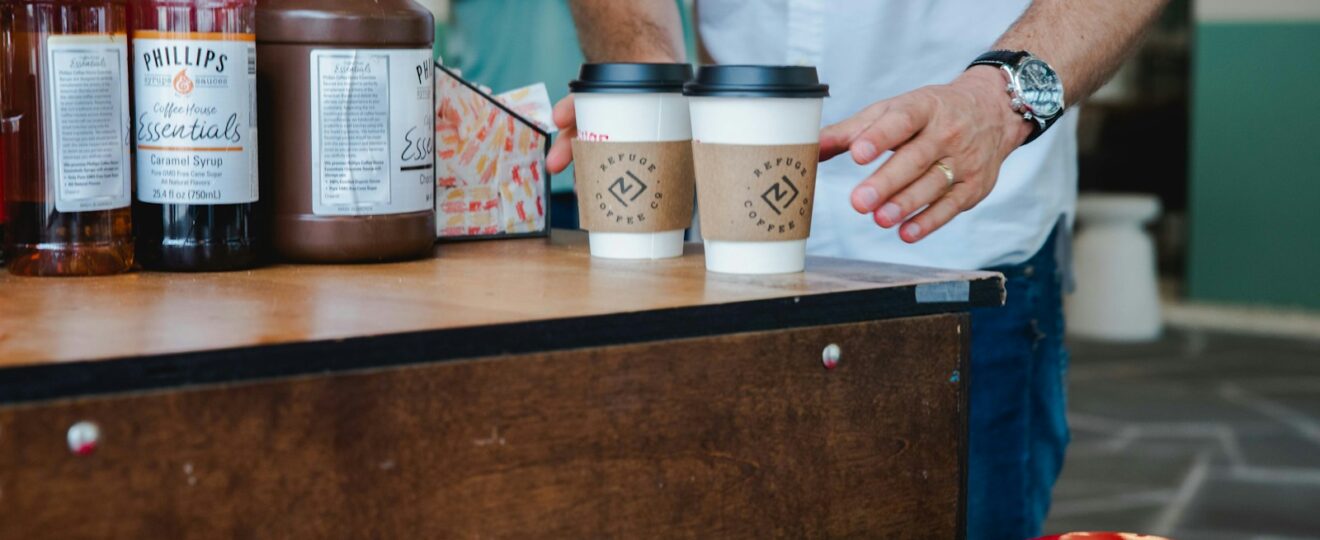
(1035, 88)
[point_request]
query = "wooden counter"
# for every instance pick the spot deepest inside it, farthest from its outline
(502, 389)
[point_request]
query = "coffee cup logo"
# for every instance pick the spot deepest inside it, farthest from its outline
(781, 207)
(627, 188)
(635, 186)
(776, 194)
(622, 201)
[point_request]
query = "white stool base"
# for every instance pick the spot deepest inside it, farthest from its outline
(1117, 297)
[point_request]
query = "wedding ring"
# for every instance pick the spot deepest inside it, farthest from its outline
(948, 172)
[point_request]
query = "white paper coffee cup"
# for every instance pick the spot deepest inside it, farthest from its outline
(750, 106)
(633, 103)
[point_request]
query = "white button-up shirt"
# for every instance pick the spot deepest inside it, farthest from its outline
(869, 50)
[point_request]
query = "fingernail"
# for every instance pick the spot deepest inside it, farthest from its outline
(913, 231)
(864, 151)
(891, 212)
(868, 197)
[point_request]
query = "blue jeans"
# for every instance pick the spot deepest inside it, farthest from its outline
(1018, 427)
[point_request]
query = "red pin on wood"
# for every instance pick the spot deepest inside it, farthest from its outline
(830, 356)
(84, 437)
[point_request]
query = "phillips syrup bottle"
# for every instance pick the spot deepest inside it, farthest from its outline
(195, 129)
(65, 125)
(350, 166)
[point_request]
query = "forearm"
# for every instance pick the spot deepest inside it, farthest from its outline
(1085, 41)
(629, 30)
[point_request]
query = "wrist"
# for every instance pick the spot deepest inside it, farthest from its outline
(987, 83)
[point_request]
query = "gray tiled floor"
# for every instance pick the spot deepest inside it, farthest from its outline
(1196, 436)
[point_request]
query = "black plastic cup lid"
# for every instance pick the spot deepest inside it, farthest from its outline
(757, 81)
(631, 78)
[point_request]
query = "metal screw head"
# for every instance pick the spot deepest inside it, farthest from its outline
(84, 437)
(830, 356)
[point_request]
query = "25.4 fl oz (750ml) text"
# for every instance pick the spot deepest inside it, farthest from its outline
(186, 194)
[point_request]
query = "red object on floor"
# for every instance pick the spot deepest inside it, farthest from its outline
(1101, 536)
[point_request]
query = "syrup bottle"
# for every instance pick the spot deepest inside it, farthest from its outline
(350, 166)
(195, 128)
(64, 121)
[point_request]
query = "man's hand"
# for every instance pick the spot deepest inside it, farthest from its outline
(561, 152)
(966, 125)
(613, 31)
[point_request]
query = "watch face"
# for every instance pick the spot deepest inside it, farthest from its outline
(1040, 87)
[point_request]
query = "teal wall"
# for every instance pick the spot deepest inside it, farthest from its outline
(1255, 186)
(507, 44)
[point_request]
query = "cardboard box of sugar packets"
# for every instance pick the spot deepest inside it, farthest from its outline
(491, 180)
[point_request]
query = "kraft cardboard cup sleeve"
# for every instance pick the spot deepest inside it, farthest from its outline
(759, 193)
(634, 187)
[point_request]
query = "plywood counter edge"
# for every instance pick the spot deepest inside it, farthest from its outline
(63, 380)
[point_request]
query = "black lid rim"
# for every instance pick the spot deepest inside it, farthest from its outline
(700, 90)
(638, 87)
(743, 80)
(631, 78)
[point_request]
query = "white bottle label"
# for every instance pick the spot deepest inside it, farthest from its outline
(373, 131)
(196, 123)
(87, 123)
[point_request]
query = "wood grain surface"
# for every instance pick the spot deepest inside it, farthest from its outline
(744, 436)
(45, 320)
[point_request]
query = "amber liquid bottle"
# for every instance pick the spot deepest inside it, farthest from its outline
(64, 122)
(3, 173)
(195, 129)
